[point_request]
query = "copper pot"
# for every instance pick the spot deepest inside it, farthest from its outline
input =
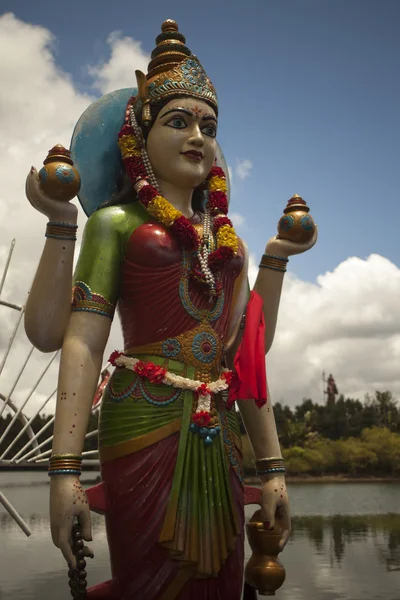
(58, 177)
(264, 571)
(296, 225)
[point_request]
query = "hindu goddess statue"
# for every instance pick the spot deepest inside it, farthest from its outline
(162, 249)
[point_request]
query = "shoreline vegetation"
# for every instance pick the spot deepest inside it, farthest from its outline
(345, 441)
(253, 480)
(374, 456)
(341, 442)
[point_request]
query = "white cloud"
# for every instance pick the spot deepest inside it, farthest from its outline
(253, 270)
(126, 56)
(243, 168)
(39, 106)
(237, 219)
(347, 323)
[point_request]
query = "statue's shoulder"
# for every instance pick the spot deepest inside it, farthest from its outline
(118, 219)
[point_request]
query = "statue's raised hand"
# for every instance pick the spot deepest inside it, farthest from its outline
(55, 210)
(275, 505)
(280, 247)
(68, 502)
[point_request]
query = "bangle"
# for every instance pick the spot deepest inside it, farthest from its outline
(280, 258)
(272, 470)
(65, 464)
(276, 263)
(270, 461)
(64, 472)
(273, 464)
(61, 231)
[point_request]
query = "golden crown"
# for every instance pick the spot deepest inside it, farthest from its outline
(173, 71)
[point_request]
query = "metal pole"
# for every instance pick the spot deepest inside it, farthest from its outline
(7, 265)
(10, 343)
(28, 398)
(7, 400)
(6, 451)
(10, 305)
(25, 456)
(17, 518)
(35, 437)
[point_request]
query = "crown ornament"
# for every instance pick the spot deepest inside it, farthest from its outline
(172, 71)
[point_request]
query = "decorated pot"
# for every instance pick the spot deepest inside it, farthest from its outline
(264, 571)
(296, 224)
(58, 177)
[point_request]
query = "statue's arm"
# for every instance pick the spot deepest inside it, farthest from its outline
(48, 306)
(97, 282)
(259, 423)
(81, 359)
(269, 282)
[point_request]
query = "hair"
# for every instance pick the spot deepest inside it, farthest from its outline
(125, 194)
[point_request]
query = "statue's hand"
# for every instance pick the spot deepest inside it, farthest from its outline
(55, 210)
(68, 502)
(281, 247)
(275, 505)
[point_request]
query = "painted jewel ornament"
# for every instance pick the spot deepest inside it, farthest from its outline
(58, 177)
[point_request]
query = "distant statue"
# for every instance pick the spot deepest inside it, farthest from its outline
(331, 390)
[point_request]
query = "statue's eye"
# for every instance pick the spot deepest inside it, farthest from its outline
(177, 123)
(210, 130)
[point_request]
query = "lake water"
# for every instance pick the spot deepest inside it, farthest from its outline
(345, 543)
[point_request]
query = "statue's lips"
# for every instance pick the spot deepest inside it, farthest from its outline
(193, 155)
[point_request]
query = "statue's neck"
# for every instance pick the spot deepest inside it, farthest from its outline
(181, 199)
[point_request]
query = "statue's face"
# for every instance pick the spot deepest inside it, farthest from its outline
(181, 144)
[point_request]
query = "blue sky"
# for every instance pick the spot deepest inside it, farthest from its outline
(309, 93)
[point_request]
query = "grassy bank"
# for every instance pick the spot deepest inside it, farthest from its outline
(374, 456)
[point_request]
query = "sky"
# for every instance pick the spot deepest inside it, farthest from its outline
(308, 103)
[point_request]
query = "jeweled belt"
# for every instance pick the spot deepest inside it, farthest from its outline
(204, 418)
(200, 347)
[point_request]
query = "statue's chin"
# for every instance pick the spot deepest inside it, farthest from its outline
(186, 177)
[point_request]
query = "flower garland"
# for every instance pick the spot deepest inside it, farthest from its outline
(157, 374)
(173, 219)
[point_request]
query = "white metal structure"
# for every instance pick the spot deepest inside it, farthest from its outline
(32, 452)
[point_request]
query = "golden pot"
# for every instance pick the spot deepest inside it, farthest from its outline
(296, 225)
(58, 177)
(264, 571)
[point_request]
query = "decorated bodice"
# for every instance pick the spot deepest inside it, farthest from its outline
(158, 299)
(136, 264)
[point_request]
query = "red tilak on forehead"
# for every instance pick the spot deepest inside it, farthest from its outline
(197, 111)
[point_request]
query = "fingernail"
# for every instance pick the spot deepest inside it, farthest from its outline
(32, 170)
(267, 524)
